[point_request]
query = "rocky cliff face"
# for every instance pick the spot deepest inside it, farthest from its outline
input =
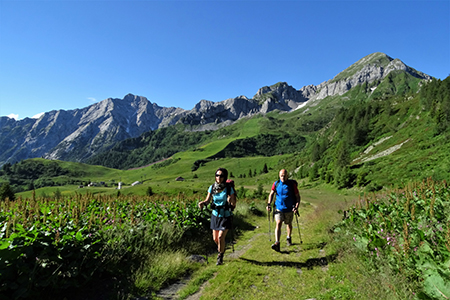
(373, 67)
(78, 134)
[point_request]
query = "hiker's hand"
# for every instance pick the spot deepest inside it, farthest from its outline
(268, 207)
(201, 204)
(295, 210)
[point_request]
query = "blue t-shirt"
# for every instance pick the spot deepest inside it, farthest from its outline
(220, 199)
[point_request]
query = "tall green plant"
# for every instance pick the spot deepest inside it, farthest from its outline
(60, 243)
(410, 230)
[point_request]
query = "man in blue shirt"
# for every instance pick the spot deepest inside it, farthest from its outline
(286, 204)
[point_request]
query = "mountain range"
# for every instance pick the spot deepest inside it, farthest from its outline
(77, 135)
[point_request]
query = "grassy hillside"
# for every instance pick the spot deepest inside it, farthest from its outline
(355, 140)
(384, 142)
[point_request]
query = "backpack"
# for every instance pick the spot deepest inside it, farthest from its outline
(228, 185)
(289, 182)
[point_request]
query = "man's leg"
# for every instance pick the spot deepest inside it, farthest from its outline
(278, 223)
(289, 229)
(288, 222)
(278, 231)
(288, 235)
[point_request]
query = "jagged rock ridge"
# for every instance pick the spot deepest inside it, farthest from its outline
(78, 134)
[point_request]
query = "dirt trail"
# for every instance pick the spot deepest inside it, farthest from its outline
(255, 271)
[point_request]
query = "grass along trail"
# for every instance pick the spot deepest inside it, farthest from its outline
(318, 268)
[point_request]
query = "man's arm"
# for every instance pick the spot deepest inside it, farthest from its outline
(297, 202)
(269, 202)
(297, 199)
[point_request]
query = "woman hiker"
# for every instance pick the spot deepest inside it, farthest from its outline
(223, 199)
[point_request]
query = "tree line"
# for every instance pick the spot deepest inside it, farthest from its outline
(150, 147)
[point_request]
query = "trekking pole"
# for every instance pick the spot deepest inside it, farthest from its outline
(268, 217)
(298, 226)
(232, 234)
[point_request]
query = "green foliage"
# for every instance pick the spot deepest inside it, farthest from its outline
(149, 147)
(58, 244)
(314, 172)
(242, 193)
(198, 163)
(253, 208)
(57, 194)
(164, 163)
(259, 193)
(343, 178)
(33, 173)
(6, 192)
(37, 173)
(149, 191)
(263, 145)
(435, 96)
(396, 83)
(34, 169)
(410, 230)
(265, 169)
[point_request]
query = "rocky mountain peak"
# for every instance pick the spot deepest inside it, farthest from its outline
(375, 66)
(203, 105)
(279, 96)
(275, 89)
(78, 134)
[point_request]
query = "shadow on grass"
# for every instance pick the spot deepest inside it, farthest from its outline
(305, 247)
(309, 264)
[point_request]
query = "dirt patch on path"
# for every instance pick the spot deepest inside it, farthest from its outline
(171, 292)
(198, 294)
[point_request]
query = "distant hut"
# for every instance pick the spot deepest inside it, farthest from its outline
(179, 178)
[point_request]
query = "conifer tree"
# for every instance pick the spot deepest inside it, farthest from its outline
(6, 192)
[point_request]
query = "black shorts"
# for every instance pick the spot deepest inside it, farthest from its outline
(220, 223)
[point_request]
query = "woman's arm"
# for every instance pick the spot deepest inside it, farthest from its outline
(206, 202)
(232, 199)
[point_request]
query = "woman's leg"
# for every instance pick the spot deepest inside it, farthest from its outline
(221, 238)
(216, 238)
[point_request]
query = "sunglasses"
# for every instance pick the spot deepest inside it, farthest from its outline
(220, 175)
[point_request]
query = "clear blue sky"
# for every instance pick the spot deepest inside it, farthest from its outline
(70, 54)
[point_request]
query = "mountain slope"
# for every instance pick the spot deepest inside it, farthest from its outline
(77, 135)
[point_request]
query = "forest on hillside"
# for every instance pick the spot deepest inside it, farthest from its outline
(355, 127)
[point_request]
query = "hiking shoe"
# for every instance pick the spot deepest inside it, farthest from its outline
(276, 246)
(219, 259)
(289, 241)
